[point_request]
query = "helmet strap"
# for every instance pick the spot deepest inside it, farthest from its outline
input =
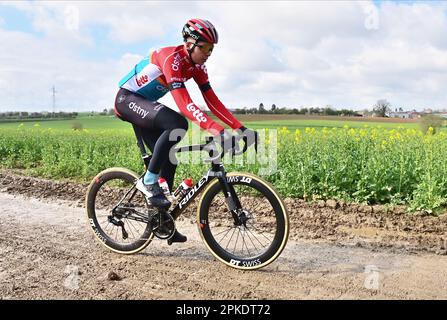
(191, 50)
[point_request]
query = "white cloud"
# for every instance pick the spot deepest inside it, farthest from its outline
(333, 58)
(31, 66)
(288, 53)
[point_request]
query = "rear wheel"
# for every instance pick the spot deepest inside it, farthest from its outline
(261, 232)
(118, 213)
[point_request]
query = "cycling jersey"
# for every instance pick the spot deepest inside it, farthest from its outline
(167, 69)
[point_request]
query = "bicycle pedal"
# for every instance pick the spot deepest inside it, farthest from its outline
(177, 237)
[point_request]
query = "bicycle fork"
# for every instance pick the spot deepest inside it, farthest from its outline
(232, 201)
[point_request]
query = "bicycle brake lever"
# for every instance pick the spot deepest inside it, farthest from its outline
(209, 139)
(237, 149)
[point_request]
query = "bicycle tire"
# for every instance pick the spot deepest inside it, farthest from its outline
(93, 207)
(267, 195)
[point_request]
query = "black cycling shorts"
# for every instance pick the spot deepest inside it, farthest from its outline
(133, 108)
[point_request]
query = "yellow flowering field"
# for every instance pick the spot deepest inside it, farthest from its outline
(367, 164)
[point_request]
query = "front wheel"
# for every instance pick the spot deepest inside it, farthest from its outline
(260, 233)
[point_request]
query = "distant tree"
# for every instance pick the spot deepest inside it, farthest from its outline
(273, 108)
(313, 110)
(382, 108)
(241, 111)
(346, 112)
(329, 111)
(261, 108)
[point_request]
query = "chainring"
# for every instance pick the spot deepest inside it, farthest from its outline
(163, 225)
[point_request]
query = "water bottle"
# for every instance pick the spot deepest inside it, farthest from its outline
(164, 186)
(183, 188)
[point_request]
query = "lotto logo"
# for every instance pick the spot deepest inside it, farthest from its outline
(200, 117)
(142, 80)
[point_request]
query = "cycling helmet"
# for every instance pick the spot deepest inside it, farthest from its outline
(200, 29)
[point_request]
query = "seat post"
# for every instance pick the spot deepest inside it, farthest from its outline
(140, 143)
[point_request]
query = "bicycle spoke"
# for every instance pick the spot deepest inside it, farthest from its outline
(130, 229)
(230, 239)
(107, 225)
(131, 225)
(246, 246)
(229, 229)
(237, 237)
(116, 233)
(262, 234)
(252, 241)
(252, 238)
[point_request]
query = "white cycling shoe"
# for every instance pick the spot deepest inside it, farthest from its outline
(153, 193)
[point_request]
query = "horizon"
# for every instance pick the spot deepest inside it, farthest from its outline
(99, 110)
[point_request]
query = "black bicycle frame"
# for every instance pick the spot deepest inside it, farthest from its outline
(217, 171)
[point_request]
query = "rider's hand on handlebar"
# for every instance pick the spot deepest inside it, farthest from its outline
(250, 136)
(227, 141)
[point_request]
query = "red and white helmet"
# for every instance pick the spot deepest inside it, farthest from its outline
(200, 29)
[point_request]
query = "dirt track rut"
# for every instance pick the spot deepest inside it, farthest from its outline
(47, 252)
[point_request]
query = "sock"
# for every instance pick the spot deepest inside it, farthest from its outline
(150, 178)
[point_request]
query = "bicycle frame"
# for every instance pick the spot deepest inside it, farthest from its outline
(217, 171)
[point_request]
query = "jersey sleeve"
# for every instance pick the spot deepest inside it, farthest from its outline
(172, 71)
(213, 102)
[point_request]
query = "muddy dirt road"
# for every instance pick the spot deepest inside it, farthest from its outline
(47, 252)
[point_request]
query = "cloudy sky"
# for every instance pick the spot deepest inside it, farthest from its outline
(294, 54)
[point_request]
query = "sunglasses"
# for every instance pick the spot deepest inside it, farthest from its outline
(206, 47)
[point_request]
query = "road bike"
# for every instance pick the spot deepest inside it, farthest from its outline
(240, 217)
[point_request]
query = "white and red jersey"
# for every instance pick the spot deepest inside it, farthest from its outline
(167, 69)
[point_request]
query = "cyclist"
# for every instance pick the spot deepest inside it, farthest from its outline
(164, 70)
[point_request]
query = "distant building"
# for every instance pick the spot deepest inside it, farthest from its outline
(405, 114)
(365, 113)
(400, 115)
(415, 115)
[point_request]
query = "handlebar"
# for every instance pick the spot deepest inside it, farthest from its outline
(236, 150)
(210, 145)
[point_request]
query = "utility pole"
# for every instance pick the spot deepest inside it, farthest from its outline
(54, 99)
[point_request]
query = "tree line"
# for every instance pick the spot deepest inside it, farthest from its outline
(22, 115)
(327, 111)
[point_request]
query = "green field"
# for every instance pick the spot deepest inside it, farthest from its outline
(355, 161)
(111, 122)
(320, 124)
(89, 123)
